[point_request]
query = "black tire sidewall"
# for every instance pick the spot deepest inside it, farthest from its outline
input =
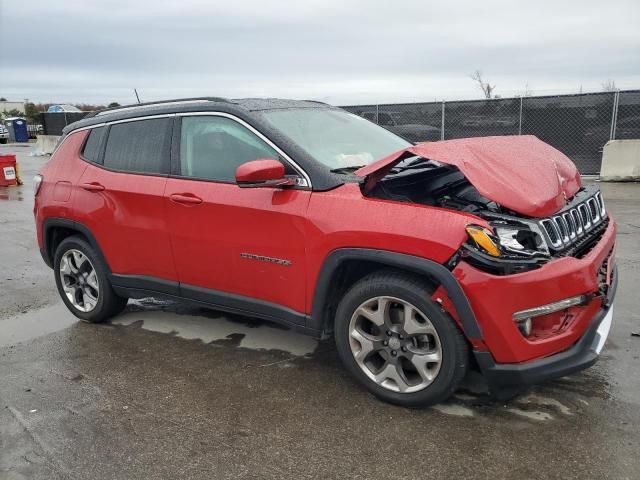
(103, 308)
(454, 353)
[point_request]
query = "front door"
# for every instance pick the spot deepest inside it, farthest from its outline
(232, 245)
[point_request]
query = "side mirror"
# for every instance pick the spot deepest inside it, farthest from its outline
(262, 173)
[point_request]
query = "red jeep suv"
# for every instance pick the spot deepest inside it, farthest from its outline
(420, 260)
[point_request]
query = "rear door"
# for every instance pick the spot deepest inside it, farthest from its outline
(231, 240)
(121, 196)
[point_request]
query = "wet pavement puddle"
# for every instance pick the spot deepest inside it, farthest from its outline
(35, 323)
(11, 193)
(250, 334)
(166, 317)
(216, 328)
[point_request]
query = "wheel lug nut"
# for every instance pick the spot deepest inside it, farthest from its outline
(385, 343)
(400, 337)
(404, 349)
(389, 333)
(394, 353)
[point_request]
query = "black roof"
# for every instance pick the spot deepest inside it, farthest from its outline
(179, 105)
(256, 104)
(247, 109)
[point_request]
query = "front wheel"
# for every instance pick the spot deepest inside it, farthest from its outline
(397, 342)
(81, 278)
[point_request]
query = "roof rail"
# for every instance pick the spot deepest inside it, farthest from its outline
(316, 101)
(156, 103)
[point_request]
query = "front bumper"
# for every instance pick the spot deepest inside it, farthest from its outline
(495, 299)
(581, 355)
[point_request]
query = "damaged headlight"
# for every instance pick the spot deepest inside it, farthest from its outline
(526, 240)
(484, 240)
(521, 239)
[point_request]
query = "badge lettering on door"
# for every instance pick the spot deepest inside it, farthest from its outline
(279, 261)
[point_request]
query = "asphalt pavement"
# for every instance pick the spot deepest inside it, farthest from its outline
(169, 390)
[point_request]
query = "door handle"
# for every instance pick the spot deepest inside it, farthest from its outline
(185, 198)
(93, 187)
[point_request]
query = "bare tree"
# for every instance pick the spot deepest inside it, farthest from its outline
(486, 87)
(609, 86)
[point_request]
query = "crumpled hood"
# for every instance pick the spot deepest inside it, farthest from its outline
(521, 173)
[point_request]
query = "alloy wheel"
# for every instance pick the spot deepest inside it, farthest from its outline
(79, 280)
(395, 344)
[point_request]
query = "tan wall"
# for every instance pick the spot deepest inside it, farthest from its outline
(621, 160)
(45, 144)
(6, 106)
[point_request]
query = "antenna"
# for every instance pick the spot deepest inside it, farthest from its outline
(136, 92)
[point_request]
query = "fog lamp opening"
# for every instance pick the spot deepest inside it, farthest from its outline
(525, 326)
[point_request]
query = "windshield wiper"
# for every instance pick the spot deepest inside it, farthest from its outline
(344, 170)
(418, 163)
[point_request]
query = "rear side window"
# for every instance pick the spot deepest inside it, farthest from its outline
(140, 146)
(91, 150)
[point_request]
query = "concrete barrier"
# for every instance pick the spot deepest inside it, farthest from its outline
(45, 144)
(620, 161)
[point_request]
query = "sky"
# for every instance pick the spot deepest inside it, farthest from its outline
(338, 51)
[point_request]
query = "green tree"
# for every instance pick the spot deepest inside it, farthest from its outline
(32, 113)
(2, 99)
(113, 105)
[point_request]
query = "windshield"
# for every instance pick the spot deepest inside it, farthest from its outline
(335, 138)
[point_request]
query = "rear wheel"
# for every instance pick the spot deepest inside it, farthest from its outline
(82, 282)
(397, 342)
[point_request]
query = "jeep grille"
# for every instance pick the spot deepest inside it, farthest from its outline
(575, 225)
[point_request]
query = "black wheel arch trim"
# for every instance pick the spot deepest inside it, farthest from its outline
(50, 223)
(418, 265)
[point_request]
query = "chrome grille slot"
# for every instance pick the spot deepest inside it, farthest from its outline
(566, 217)
(600, 203)
(563, 228)
(594, 210)
(552, 232)
(586, 216)
(577, 221)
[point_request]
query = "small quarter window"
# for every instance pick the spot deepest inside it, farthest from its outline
(91, 150)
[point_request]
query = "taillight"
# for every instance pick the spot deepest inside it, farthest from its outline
(37, 181)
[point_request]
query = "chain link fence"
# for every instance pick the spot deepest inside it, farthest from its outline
(578, 125)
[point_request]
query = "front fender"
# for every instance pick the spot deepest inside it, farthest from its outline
(410, 263)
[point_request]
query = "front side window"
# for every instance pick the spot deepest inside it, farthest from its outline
(336, 138)
(141, 146)
(212, 148)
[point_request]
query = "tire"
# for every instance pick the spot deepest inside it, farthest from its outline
(81, 274)
(425, 356)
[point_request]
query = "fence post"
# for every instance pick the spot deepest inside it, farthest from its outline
(442, 123)
(377, 122)
(520, 120)
(614, 115)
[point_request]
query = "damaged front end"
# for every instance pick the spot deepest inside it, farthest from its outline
(527, 243)
(528, 193)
